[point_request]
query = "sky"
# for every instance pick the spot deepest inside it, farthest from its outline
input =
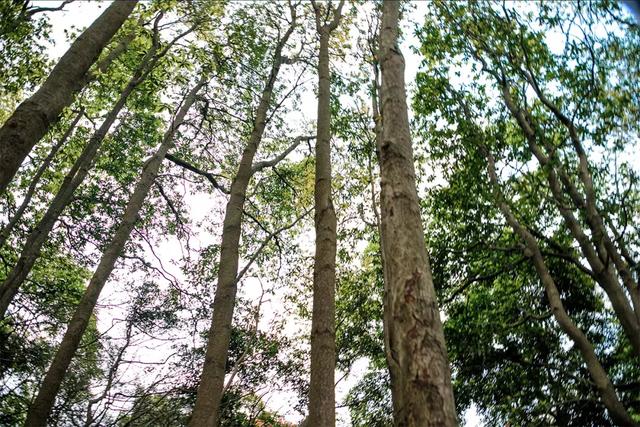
(80, 14)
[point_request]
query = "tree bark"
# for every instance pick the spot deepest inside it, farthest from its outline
(416, 352)
(101, 67)
(33, 117)
(603, 273)
(207, 406)
(322, 412)
(599, 376)
(71, 182)
(588, 203)
(41, 407)
(8, 228)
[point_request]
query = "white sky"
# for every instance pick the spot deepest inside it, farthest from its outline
(80, 14)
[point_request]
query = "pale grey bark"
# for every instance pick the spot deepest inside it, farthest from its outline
(576, 201)
(598, 374)
(587, 203)
(322, 403)
(207, 406)
(416, 352)
(41, 407)
(33, 117)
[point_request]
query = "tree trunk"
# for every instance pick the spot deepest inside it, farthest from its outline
(8, 228)
(588, 204)
(322, 405)
(603, 272)
(33, 117)
(41, 407)
(417, 356)
(71, 182)
(102, 67)
(599, 376)
(207, 406)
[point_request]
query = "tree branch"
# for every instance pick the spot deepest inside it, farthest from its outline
(274, 161)
(196, 170)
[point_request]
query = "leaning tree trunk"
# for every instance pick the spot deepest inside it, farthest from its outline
(322, 406)
(63, 197)
(35, 180)
(560, 185)
(598, 374)
(34, 116)
(416, 353)
(207, 407)
(101, 67)
(41, 407)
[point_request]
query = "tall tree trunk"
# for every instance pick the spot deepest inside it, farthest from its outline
(322, 412)
(417, 355)
(207, 407)
(102, 67)
(34, 116)
(35, 180)
(607, 250)
(560, 184)
(41, 407)
(71, 182)
(598, 374)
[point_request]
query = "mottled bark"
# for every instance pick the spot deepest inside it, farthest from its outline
(377, 129)
(35, 180)
(416, 352)
(63, 197)
(599, 376)
(322, 412)
(41, 407)
(33, 117)
(207, 406)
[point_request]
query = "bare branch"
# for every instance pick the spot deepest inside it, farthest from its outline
(274, 161)
(267, 240)
(33, 10)
(210, 177)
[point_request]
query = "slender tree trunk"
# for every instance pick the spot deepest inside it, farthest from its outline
(71, 182)
(322, 412)
(588, 204)
(207, 406)
(603, 272)
(15, 219)
(599, 376)
(41, 407)
(102, 67)
(33, 117)
(417, 356)
(377, 129)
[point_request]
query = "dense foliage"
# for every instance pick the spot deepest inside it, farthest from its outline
(536, 88)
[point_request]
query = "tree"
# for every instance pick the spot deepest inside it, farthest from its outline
(39, 411)
(414, 339)
(207, 406)
(33, 117)
(543, 240)
(77, 173)
(323, 353)
(163, 276)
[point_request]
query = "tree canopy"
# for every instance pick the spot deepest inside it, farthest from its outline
(247, 213)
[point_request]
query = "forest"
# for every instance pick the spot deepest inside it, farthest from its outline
(319, 213)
